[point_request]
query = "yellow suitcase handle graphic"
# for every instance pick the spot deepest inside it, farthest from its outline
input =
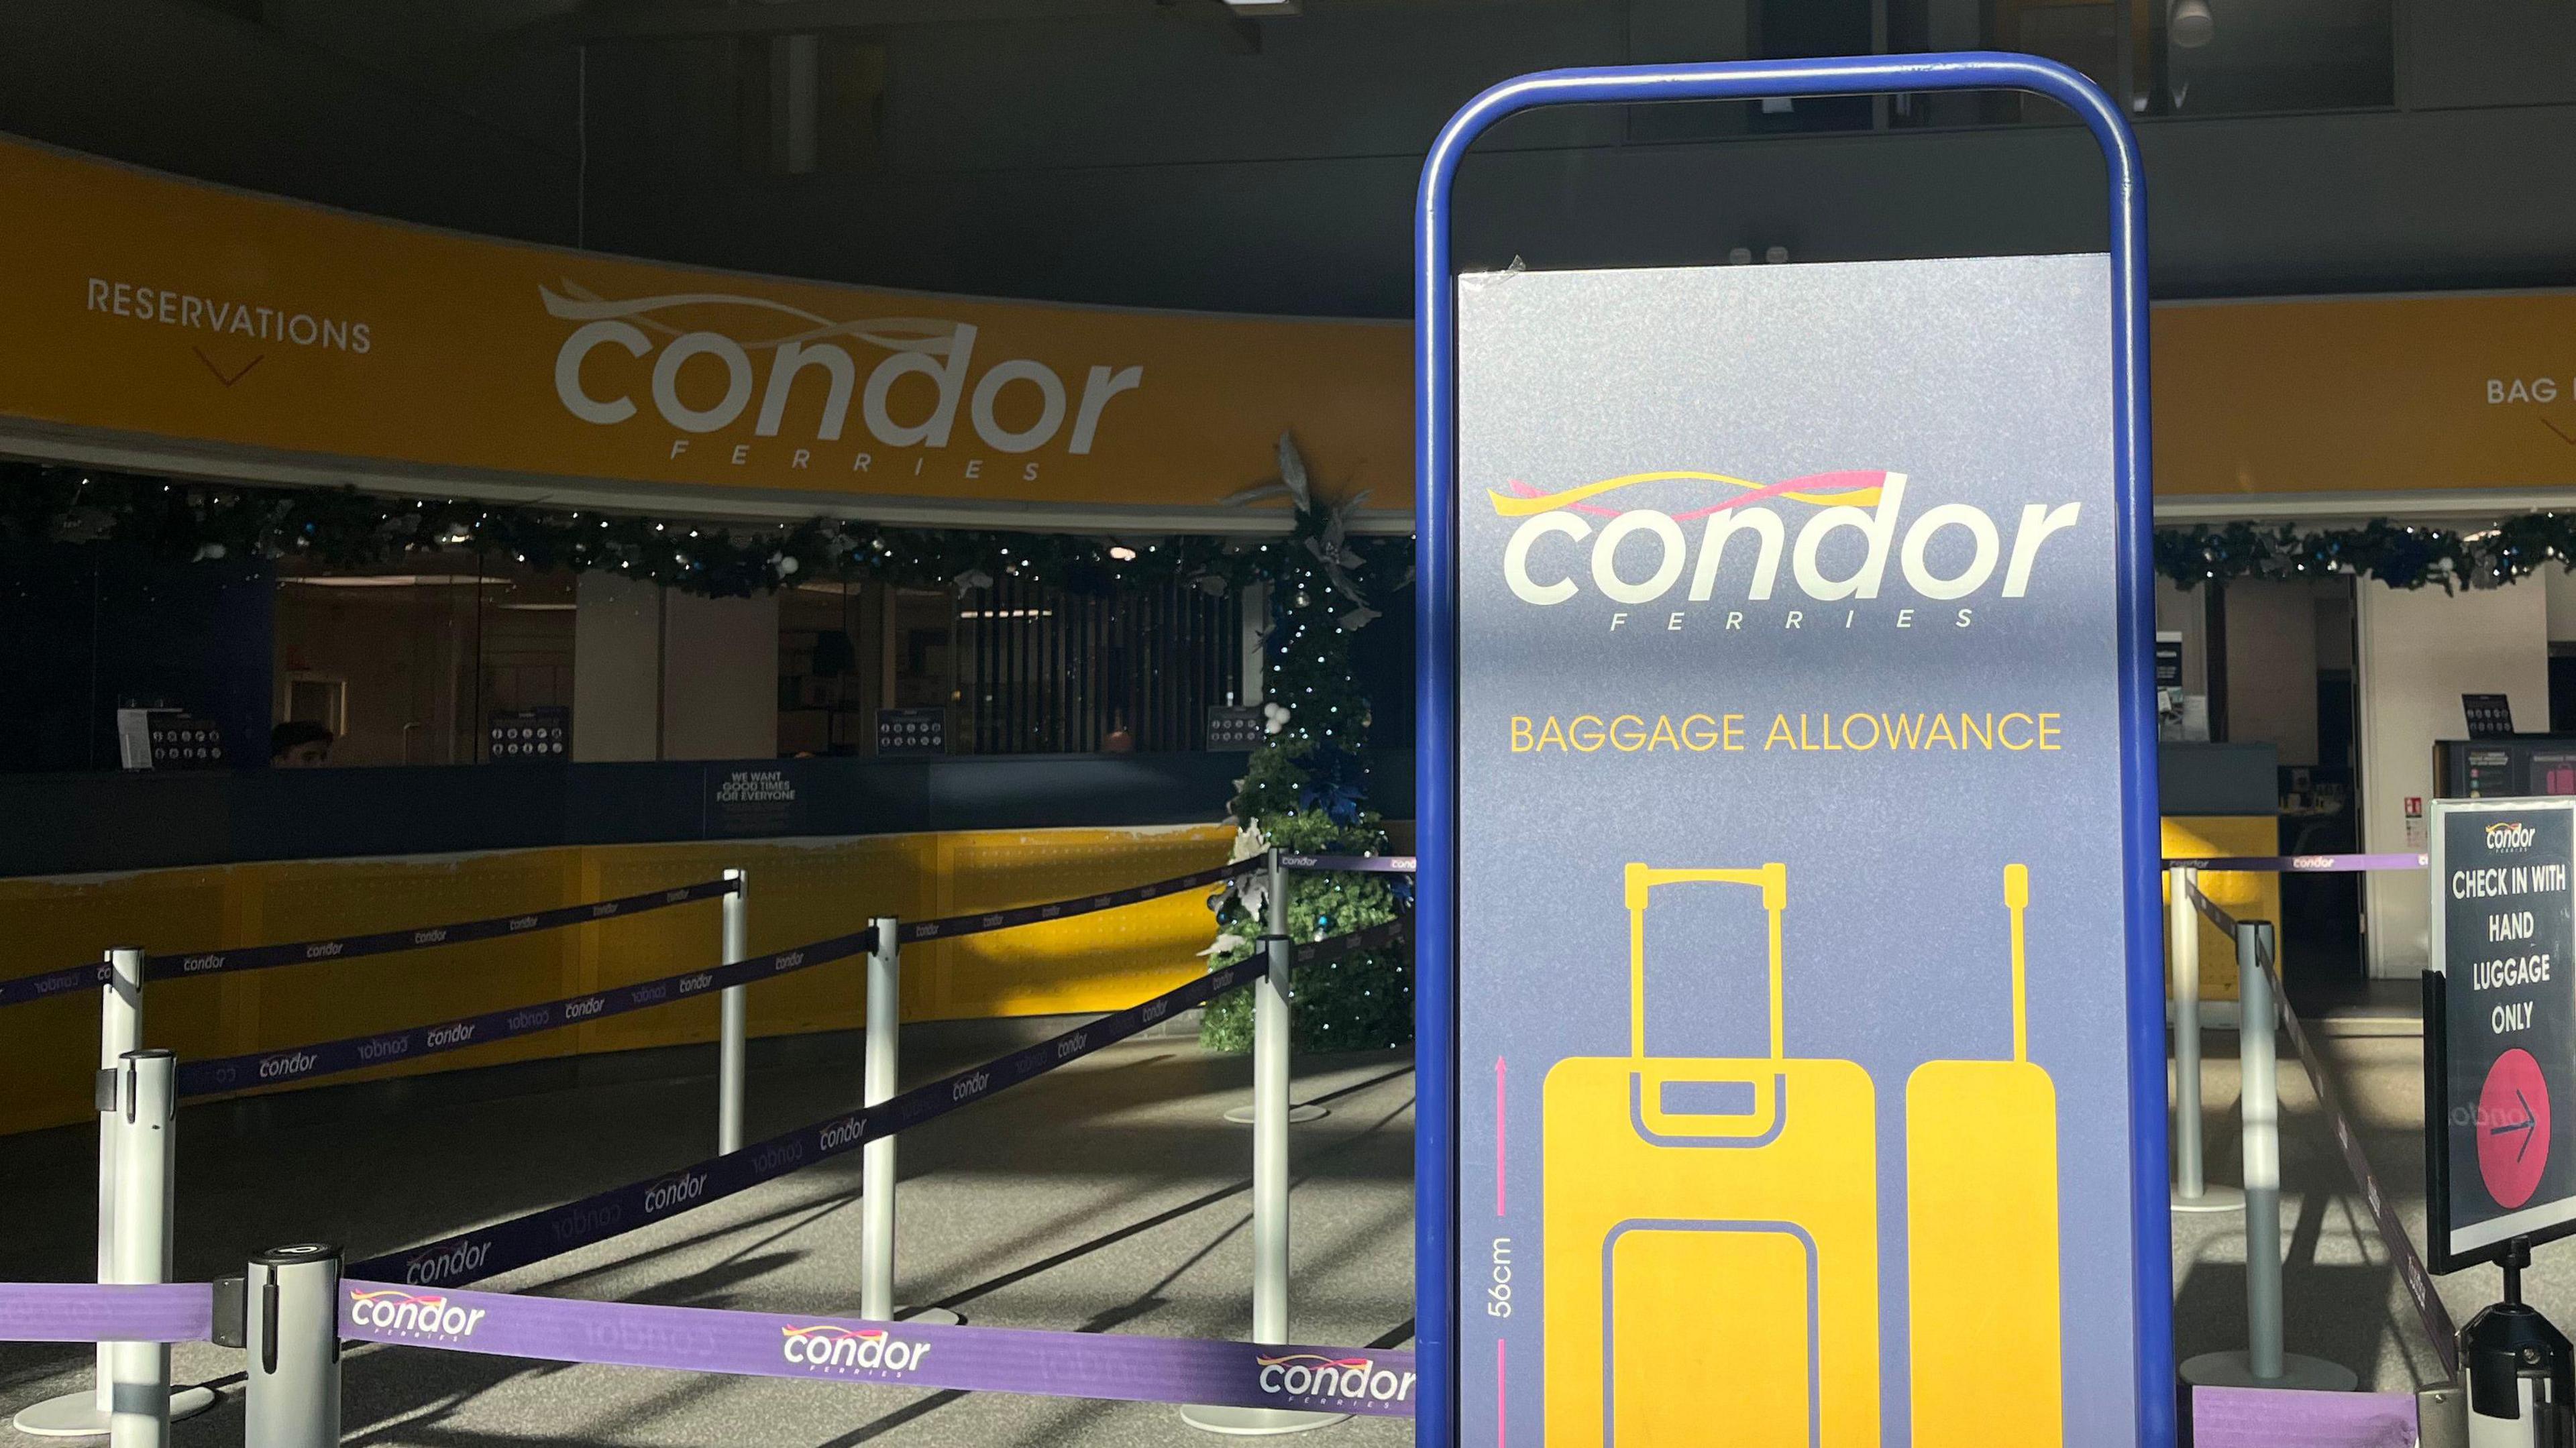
(1982, 1237)
(1773, 881)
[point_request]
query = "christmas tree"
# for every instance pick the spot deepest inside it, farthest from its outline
(1305, 791)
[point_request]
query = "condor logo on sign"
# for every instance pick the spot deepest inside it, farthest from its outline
(1641, 555)
(2510, 835)
(713, 356)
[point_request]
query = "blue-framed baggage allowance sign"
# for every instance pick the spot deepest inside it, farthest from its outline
(1791, 977)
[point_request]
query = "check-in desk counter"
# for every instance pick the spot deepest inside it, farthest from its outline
(2524, 764)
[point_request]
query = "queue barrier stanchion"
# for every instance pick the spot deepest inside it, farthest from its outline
(2439, 1403)
(1276, 876)
(146, 1121)
(880, 1067)
(883, 1072)
(120, 1016)
(733, 1016)
(2263, 1363)
(2192, 1191)
(1301, 1112)
(1270, 1030)
(291, 1316)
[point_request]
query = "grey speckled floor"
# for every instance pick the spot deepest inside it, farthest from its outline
(1110, 1199)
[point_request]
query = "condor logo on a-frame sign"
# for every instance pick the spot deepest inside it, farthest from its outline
(1869, 503)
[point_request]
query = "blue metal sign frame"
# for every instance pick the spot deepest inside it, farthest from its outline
(1436, 644)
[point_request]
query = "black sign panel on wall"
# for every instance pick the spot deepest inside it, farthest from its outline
(912, 731)
(531, 736)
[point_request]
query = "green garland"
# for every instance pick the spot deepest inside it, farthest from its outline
(2401, 555)
(342, 529)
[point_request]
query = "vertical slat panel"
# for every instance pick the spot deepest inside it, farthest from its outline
(1192, 668)
(1159, 679)
(984, 671)
(1167, 603)
(1116, 678)
(1055, 671)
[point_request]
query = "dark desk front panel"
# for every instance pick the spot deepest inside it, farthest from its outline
(68, 823)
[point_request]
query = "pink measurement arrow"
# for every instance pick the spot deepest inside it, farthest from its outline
(1502, 1139)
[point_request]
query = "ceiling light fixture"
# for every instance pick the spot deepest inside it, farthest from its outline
(2190, 25)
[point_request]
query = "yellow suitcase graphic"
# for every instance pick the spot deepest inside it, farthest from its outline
(1712, 1266)
(1981, 1238)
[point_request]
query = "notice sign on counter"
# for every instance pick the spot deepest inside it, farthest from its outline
(2501, 1015)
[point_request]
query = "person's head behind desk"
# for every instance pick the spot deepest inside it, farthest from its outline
(299, 744)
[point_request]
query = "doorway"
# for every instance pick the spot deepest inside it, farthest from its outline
(2289, 661)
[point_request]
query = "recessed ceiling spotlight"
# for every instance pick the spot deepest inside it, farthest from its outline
(2190, 24)
(1262, 9)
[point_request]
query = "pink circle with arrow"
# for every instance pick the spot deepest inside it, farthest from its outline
(2513, 1128)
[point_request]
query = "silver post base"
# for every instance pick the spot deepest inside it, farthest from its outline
(1254, 1422)
(2212, 1198)
(76, 1415)
(1298, 1115)
(2233, 1370)
(929, 1317)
